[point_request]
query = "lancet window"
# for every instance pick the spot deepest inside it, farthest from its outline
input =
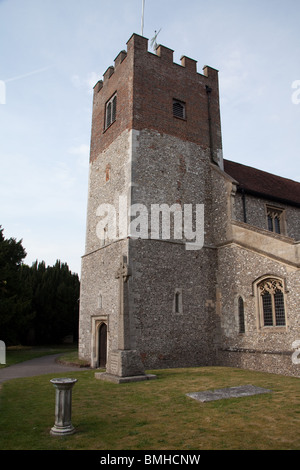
(111, 111)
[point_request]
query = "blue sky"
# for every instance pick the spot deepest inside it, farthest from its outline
(53, 52)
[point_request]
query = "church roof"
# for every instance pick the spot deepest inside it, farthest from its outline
(262, 184)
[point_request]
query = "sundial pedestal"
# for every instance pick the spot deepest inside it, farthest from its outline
(63, 406)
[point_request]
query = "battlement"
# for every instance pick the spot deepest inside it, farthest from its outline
(138, 45)
(148, 89)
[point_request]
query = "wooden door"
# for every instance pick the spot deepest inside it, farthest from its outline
(102, 346)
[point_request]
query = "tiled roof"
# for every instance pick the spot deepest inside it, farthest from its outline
(263, 184)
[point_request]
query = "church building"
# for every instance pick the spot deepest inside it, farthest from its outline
(190, 259)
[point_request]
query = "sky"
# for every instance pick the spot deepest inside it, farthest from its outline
(52, 53)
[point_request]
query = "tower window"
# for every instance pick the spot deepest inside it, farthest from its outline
(179, 109)
(111, 111)
(177, 298)
(275, 220)
(272, 307)
(104, 236)
(107, 172)
(177, 302)
(241, 315)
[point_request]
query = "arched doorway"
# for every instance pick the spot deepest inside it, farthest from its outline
(102, 345)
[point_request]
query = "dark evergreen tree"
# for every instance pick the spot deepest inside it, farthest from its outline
(55, 293)
(14, 304)
(38, 304)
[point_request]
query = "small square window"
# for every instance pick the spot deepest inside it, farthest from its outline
(179, 109)
(111, 111)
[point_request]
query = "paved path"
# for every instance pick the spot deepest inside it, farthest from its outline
(38, 366)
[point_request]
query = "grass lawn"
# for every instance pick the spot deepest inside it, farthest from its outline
(156, 414)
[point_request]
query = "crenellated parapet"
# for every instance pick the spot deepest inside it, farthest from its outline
(149, 87)
(139, 45)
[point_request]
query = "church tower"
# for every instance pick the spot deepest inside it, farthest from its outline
(148, 284)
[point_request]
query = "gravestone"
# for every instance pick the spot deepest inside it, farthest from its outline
(2, 353)
(231, 392)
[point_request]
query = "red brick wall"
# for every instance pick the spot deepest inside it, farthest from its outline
(146, 85)
(121, 82)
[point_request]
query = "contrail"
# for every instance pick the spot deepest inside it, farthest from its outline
(28, 74)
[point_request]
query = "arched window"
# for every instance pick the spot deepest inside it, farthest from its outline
(111, 111)
(241, 315)
(271, 302)
(114, 109)
(177, 302)
(177, 298)
(102, 345)
(275, 219)
(104, 236)
(108, 114)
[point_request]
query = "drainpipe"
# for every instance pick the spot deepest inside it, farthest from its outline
(244, 205)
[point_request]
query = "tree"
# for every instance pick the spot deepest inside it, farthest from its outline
(38, 304)
(13, 302)
(55, 294)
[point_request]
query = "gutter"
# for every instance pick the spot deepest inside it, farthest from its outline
(270, 197)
